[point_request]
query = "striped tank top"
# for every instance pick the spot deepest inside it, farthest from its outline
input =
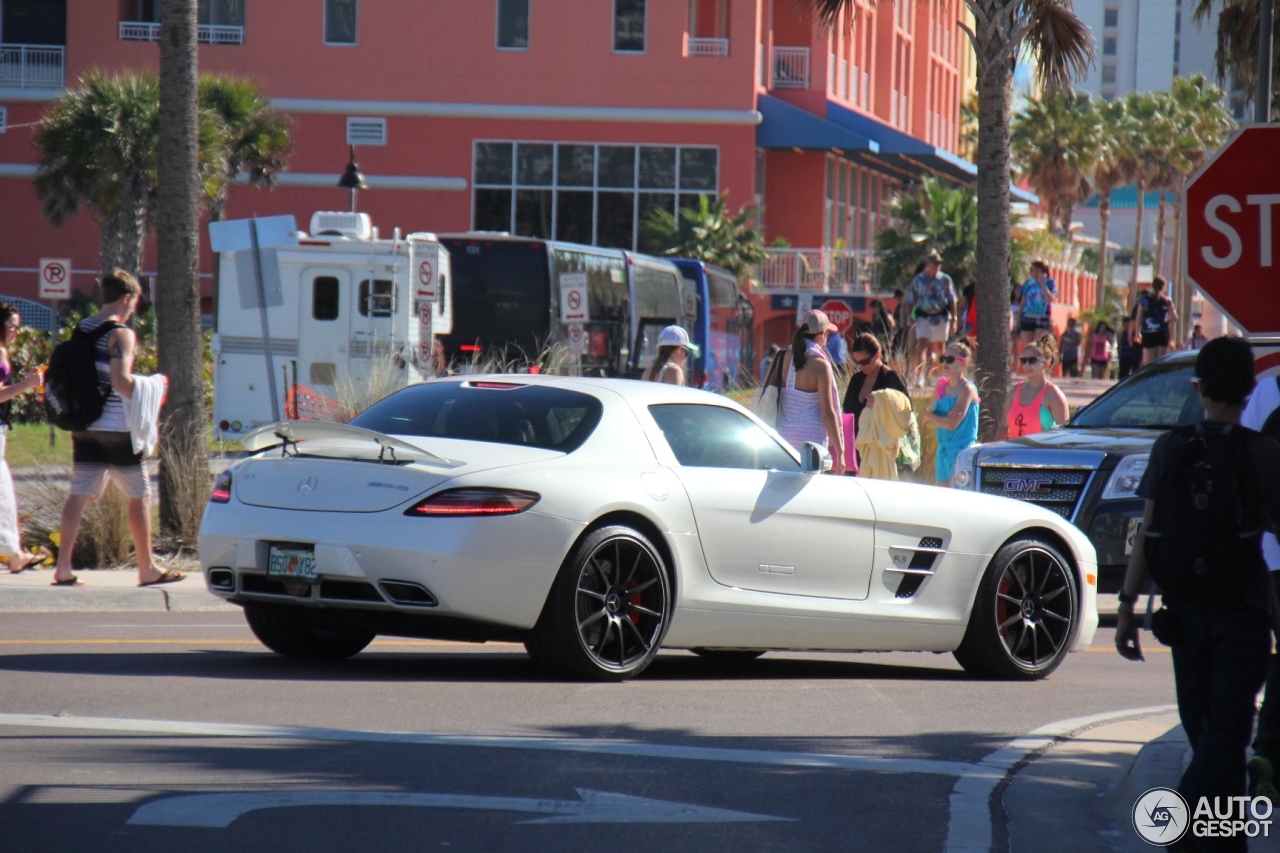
(112, 419)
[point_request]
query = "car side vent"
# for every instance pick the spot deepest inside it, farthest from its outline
(923, 558)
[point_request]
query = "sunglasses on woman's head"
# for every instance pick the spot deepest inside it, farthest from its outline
(951, 359)
(1030, 359)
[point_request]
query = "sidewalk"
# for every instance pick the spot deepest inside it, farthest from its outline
(104, 590)
(1080, 794)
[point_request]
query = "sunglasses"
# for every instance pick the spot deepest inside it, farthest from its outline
(863, 362)
(1030, 359)
(951, 359)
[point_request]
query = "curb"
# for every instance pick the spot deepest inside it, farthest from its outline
(87, 598)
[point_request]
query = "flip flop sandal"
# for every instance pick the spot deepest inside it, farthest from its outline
(71, 581)
(167, 576)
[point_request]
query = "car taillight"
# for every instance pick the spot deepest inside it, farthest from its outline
(221, 488)
(474, 501)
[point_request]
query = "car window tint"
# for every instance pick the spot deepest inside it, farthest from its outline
(703, 436)
(1158, 397)
(503, 413)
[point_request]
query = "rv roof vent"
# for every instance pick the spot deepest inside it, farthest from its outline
(357, 226)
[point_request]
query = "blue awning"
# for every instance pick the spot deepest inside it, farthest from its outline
(784, 126)
(905, 151)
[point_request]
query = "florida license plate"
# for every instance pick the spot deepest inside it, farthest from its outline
(1131, 534)
(291, 562)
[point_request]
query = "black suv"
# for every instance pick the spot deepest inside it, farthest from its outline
(1088, 470)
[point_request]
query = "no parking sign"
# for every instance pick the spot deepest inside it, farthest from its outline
(55, 278)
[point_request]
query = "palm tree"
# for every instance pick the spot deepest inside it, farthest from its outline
(1149, 147)
(1055, 146)
(1114, 168)
(708, 233)
(98, 147)
(1237, 52)
(256, 136)
(1061, 47)
(935, 215)
(184, 455)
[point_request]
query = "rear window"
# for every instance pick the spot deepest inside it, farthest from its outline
(531, 415)
(1157, 397)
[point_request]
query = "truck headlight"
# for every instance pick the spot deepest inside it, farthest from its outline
(1125, 479)
(965, 476)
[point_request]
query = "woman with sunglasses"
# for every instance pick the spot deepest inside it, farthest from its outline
(1036, 405)
(954, 413)
(808, 405)
(10, 531)
(871, 375)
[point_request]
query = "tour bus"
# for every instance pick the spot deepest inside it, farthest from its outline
(506, 304)
(722, 329)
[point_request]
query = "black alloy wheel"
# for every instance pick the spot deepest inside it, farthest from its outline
(608, 610)
(1024, 617)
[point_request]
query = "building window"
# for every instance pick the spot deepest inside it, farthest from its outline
(513, 24)
(1111, 18)
(628, 26)
(4, 119)
(340, 21)
(1109, 46)
(226, 13)
(599, 195)
(1108, 73)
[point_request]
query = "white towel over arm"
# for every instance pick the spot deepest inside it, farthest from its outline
(142, 411)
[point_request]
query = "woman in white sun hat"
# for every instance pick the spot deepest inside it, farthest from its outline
(809, 408)
(673, 351)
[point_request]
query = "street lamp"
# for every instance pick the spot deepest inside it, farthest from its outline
(351, 179)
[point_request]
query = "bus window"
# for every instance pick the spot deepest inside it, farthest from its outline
(608, 306)
(501, 297)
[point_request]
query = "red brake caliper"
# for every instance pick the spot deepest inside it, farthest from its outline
(1002, 606)
(635, 600)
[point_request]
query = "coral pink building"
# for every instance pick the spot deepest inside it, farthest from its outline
(555, 118)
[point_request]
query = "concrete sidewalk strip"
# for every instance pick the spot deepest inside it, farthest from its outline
(103, 590)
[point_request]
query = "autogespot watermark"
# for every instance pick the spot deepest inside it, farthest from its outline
(1161, 816)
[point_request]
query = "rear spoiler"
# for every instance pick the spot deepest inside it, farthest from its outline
(390, 449)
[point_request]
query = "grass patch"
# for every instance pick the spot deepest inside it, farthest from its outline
(29, 445)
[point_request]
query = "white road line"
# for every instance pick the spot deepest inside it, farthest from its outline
(599, 747)
(221, 810)
(969, 828)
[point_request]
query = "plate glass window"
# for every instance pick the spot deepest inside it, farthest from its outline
(601, 195)
(513, 24)
(628, 26)
(340, 21)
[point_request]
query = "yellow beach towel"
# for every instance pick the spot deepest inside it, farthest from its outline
(882, 425)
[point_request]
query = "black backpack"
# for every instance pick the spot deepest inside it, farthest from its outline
(73, 395)
(1204, 543)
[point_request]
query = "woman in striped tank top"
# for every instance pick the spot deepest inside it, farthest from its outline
(809, 406)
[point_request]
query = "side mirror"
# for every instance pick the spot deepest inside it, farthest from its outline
(814, 458)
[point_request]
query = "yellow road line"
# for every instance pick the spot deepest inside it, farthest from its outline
(222, 642)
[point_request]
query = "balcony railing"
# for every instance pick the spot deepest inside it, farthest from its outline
(820, 270)
(205, 33)
(791, 68)
(32, 66)
(707, 47)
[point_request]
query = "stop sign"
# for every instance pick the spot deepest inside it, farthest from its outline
(839, 313)
(1231, 222)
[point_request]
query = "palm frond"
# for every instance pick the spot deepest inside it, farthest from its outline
(1060, 42)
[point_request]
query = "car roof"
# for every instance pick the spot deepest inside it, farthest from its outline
(643, 393)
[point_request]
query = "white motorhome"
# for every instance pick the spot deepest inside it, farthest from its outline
(342, 309)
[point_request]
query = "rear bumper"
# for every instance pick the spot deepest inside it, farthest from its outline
(495, 571)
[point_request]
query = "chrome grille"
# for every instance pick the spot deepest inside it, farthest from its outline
(1055, 489)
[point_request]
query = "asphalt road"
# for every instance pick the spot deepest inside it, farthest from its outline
(164, 731)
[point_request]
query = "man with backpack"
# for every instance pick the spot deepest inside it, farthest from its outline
(1209, 490)
(1263, 414)
(88, 377)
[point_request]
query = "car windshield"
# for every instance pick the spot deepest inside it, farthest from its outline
(1157, 397)
(497, 412)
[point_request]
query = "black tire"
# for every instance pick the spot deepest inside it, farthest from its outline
(301, 638)
(1024, 617)
(728, 655)
(608, 609)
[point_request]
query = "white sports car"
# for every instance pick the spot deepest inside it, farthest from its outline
(597, 521)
